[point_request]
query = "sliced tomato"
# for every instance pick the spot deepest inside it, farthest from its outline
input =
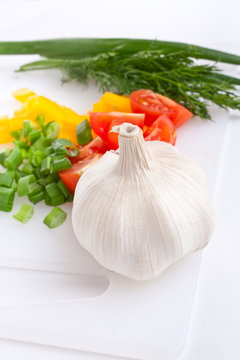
(71, 176)
(96, 146)
(154, 105)
(162, 129)
(102, 124)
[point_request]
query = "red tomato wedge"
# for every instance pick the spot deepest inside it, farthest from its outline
(154, 105)
(71, 176)
(102, 124)
(162, 129)
(96, 146)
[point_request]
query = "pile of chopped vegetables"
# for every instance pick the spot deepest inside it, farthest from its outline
(52, 146)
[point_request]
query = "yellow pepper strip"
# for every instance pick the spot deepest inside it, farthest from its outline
(23, 94)
(5, 136)
(36, 105)
(71, 117)
(16, 122)
(116, 102)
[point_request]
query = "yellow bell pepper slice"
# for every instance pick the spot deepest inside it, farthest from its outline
(116, 102)
(16, 122)
(5, 136)
(23, 94)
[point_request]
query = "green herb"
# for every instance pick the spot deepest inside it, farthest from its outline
(125, 65)
(24, 214)
(55, 218)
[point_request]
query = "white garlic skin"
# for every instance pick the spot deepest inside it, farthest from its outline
(141, 211)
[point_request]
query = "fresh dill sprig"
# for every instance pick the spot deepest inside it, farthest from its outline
(172, 74)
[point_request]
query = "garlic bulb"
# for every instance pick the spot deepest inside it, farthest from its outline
(143, 207)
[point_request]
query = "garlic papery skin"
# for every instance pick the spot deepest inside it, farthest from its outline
(143, 207)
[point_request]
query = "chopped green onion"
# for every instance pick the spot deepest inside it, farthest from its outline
(24, 214)
(64, 146)
(66, 192)
(41, 121)
(61, 164)
(6, 199)
(3, 155)
(34, 135)
(54, 195)
(52, 130)
(36, 195)
(14, 186)
(52, 178)
(37, 172)
(41, 143)
(84, 132)
(39, 156)
(49, 150)
(46, 165)
(18, 174)
(14, 159)
(28, 126)
(26, 185)
(27, 169)
(70, 197)
(21, 144)
(16, 134)
(24, 153)
(55, 218)
(6, 178)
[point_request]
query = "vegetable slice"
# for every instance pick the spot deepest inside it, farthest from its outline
(26, 185)
(61, 164)
(6, 198)
(84, 132)
(6, 178)
(54, 195)
(55, 218)
(36, 195)
(154, 105)
(14, 159)
(24, 214)
(102, 124)
(65, 146)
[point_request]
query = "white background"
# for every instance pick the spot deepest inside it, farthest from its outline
(215, 323)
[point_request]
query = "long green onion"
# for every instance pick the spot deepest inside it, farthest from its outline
(55, 218)
(24, 214)
(85, 47)
(6, 198)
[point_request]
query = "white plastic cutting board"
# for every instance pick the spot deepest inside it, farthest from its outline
(53, 292)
